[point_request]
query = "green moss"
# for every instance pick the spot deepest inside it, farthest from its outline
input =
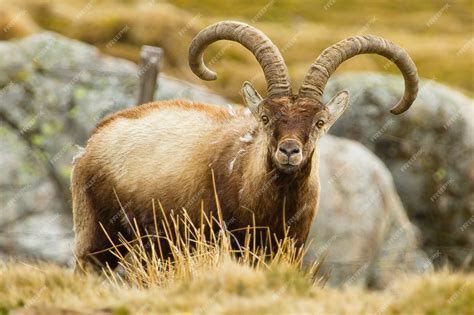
(22, 76)
(38, 140)
(65, 171)
(80, 92)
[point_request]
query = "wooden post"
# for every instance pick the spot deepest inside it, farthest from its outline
(150, 59)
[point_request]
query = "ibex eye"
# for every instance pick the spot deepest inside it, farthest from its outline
(265, 119)
(320, 123)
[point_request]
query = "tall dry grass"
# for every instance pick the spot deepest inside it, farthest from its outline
(180, 248)
(179, 255)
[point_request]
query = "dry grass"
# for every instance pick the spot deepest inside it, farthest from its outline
(438, 37)
(205, 268)
(206, 275)
(229, 288)
(198, 248)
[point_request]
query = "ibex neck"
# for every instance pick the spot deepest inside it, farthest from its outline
(251, 187)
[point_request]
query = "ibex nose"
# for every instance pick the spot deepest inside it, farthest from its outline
(289, 147)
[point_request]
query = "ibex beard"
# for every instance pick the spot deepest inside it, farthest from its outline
(258, 165)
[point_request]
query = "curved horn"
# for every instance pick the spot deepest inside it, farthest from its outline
(325, 65)
(267, 54)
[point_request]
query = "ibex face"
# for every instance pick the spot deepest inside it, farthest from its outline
(292, 125)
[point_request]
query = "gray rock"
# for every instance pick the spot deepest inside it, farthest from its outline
(55, 102)
(429, 150)
(361, 232)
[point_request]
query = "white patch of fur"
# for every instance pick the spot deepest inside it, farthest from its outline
(232, 162)
(246, 138)
(231, 110)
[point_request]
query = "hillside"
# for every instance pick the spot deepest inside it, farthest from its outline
(438, 35)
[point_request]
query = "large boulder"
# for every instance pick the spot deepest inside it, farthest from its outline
(361, 233)
(429, 150)
(54, 92)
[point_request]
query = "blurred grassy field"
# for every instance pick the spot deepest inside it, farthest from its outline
(229, 289)
(437, 34)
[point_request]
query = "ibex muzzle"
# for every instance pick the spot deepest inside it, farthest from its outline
(289, 153)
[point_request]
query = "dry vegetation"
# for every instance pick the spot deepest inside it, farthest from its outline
(228, 288)
(437, 34)
(207, 276)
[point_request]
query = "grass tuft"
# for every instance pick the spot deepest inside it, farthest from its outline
(180, 250)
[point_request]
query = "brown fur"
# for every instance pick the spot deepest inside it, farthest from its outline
(114, 172)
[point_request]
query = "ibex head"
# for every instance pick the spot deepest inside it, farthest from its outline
(293, 123)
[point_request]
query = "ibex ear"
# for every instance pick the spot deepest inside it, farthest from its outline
(251, 97)
(337, 105)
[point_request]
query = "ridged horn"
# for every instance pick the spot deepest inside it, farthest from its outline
(267, 54)
(327, 62)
